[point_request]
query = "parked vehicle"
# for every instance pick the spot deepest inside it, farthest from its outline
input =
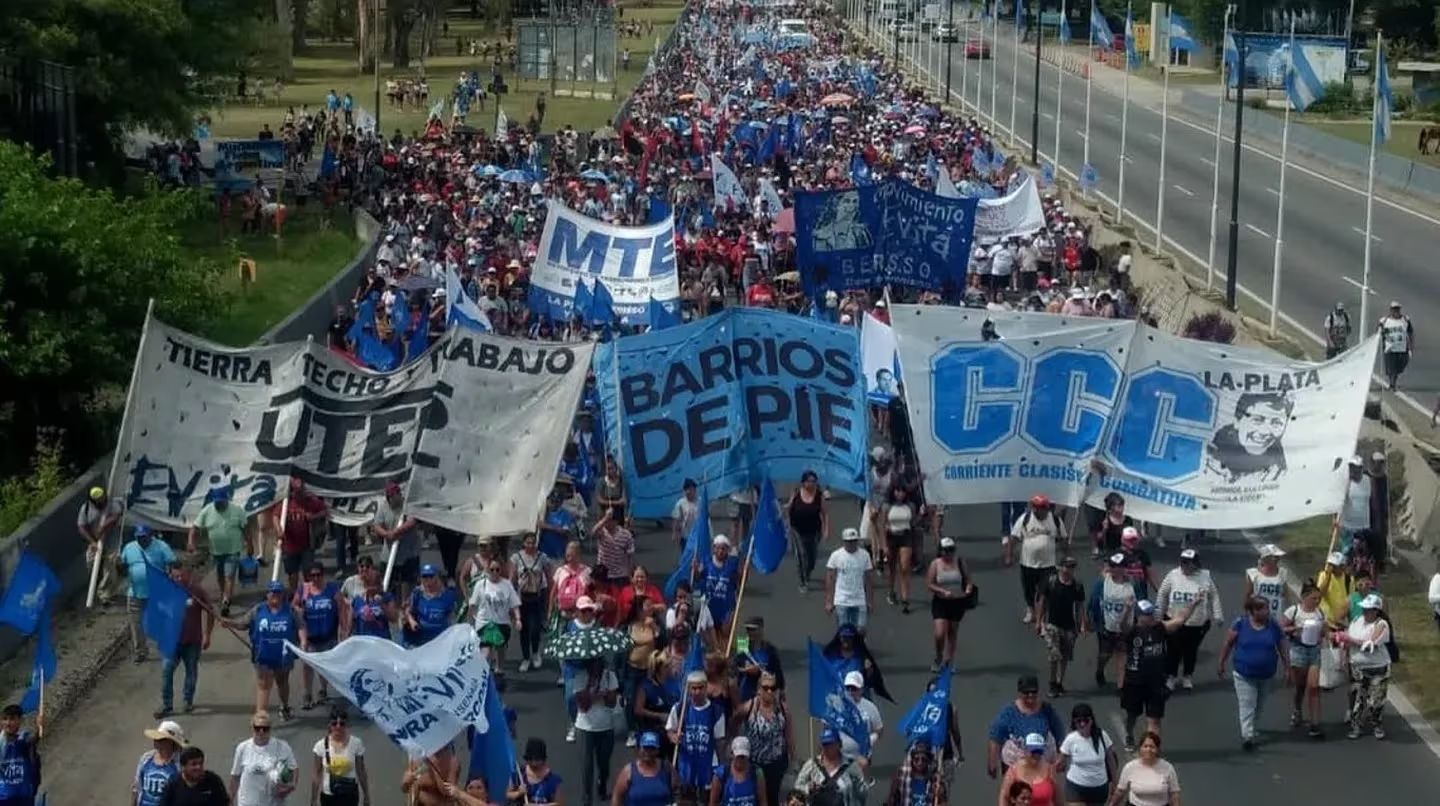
(945, 32)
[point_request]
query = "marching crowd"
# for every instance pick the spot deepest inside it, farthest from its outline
(683, 676)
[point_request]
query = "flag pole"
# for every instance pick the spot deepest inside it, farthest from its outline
(1059, 86)
(1124, 117)
(740, 596)
(1164, 132)
(115, 458)
(1280, 203)
(1215, 162)
(280, 538)
(1370, 183)
(994, 73)
(1015, 71)
(964, 65)
(1089, 72)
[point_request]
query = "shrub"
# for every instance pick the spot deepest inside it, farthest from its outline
(1213, 327)
(1338, 98)
(23, 496)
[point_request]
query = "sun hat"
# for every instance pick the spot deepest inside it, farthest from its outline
(167, 729)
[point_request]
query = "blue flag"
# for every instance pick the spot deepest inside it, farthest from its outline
(44, 669)
(1180, 36)
(695, 542)
(859, 169)
(1384, 99)
(927, 718)
(164, 614)
(659, 210)
(1302, 86)
(830, 704)
(772, 541)
(694, 656)
(1100, 34)
(584, 301)
(492, 753)
(1064, 26)
(27, 601)
(658, 317)
(602, 308)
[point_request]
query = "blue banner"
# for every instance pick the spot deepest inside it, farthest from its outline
(732, 399)
(888, 234)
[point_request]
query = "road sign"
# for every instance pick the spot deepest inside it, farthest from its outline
(932, 12)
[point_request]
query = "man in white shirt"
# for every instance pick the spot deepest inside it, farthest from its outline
(855, 690)
(683, 515)
(1036, 533)
(1355, 512)
(1002, 265)
(1397, 338)
(848, 587)
(265, 769)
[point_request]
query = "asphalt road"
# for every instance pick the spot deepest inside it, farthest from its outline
(1324, 222)
(91, 754)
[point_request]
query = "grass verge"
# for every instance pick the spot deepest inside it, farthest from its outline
(327, 66)
(287, 271)
(1402, 142)
(1306, 542)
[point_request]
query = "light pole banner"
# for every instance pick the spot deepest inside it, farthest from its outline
(1192, 434)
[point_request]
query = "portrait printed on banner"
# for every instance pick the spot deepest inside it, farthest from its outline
(1250, 449)
(840, 227)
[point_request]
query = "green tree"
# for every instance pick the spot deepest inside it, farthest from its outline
(141, 64)
(79, 268)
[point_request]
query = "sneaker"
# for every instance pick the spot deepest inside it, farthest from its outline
(1028, 617)
(890, 598)
(189, 707)
(163, 711)
(224, 608)
(286, 714)
(570, 735)
(1353, 732)
(1170, 683)
(1295, 718)
(934, 666)
(1315, 732)
(1379, 732)
(905, 607)
(1054, 691)
(1248, 745)
(524, 665)
(537, 660)
(804, 588)
(1186, 683)
(631, 741)
(1060, 690)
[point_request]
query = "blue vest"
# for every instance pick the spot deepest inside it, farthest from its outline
(720, 586)
(649, 790)
(432, 613)
(697, 745)
(919, 794)
(152, 779)
(269, 630)
(19, 776)
(322, 618)
(370, 617)
(739, 793)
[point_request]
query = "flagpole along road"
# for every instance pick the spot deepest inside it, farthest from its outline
(1200, 730)
(1321, 248)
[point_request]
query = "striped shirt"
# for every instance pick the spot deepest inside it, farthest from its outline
(616, 551)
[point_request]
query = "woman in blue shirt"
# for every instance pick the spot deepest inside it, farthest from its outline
(1258, 645)
(536, 784)
(320, 602)
(431, 609)
(649, 780)
(271, 623)
(738, 782)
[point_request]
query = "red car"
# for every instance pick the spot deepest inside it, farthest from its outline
(977, 48)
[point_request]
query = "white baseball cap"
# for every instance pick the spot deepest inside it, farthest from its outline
(740, 747)
(1335, 558)
(1356, 461)
(584, 603)
(947, 542)
(1271, 550)
(720, 540)
(1372, 601)
(854, 680)
(850, 534)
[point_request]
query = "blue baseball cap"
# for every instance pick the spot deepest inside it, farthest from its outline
(275, 586)
(141, 530)
(649, 739)
(829, 736)
(220, 493)
(428, 570)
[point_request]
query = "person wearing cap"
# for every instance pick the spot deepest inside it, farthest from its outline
(263, 772)
(648, 780)
(882, 477)
(1060, 619)
(1269, 579)
(1137, 563)
(719, 578)
(370, 610)
(196, 628)
(755, 657)
(225, 529)
(1183, 585)
(855, 687)
(394, 527)
(696, 725)
(1112, 612)
(1397, 339)
(1143, 687)
(320, 604)
(849, 589)
(1036, 769)
(158, 765)
(1337, 331)
(271, 623)
(430, 609)
(951, 594)
(141, 557)
(1354, 517)
(918, 781)
(1335, 584)
(1368, 642)
(1037, 533)
(1025, 716)
(96, 522)
(538, 785)
(1379, 534)
(741, 783)
(811, 523)
(831, 779)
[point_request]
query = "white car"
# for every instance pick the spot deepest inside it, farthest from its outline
(908, 32)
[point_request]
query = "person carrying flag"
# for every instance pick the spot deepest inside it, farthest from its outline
(697, 727)
(271, 624)
(142, 556)
(830, 779)
(918, 783)
(19, 760)
(195, 632)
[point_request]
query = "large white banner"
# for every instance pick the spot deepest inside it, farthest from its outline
(1018, 212)
(421, 698)
(634, 263)
(508, 407)
(205, 416)
(1193, 434)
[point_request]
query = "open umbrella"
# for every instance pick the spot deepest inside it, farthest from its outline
(915, 131)
(685, 96)
(839, 120)
(596, 642)
(837, 99)
(488, 170)
(515, 176)
(593, 175)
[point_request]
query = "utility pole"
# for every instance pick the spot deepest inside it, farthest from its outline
(377, 37)
(950, 38)
(1035, 101)
(1233, 256)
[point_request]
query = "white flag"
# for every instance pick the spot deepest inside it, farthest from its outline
(944, 185)
(502, 123)
(421, 698)
(727, 184)
(364, 121)
(769, 194)
(702, 92)
(437, 110)
(459, 306)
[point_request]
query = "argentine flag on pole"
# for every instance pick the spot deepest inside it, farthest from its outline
(1180, 38)
(1132, 56)
(1384, 99)
(1064, 27)
(1099, 29)
(727, 184)
(770, 195)
(460, 308)
(1302, 86)
(502, 123)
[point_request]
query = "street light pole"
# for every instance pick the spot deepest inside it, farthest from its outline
(1035, 102)
(949, 45)
(1232, 261)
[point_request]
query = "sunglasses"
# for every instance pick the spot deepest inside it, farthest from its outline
(767, 688)
(260, 728)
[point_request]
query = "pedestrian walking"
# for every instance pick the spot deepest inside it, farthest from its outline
(951, 594)
(741, 783)
(1142, 682)
(1112, 612)
(648, 780)
(1187, 584)
(1397, 344)
(849, 589)
(1036, 535)
(765, 722)
(158, 765)
(272, 623)
(195, 785)
(320, 603)
(1148, 780)
(1060, 620)
(1258, 646)
(1368, 641)
(808, 519)
(1035, 769)
(141, 557)
(98, 523)
(597, 694)
(1087, 760)
(341, 778)
(900, 518)
(918, 782)
(263, 773)
(196, 628)
(530, 575)
(1268, 579)
(1337, 331)
(537, 784)
(430, 609)
(1025, 716)
(697, 726)
(830, 779)
(1308, 632)
(225, 529)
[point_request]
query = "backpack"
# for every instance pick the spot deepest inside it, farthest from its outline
(529, 576)
(570, 590)
(828, 792)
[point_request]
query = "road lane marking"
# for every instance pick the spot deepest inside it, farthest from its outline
(1208, 161)
(1183, 190)
(1273, 191)
(1262, 233)
(1080, 132)
(1153, 136)
(1358, 285)
(1361, 233)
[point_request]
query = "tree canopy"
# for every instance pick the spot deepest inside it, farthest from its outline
(79, 268)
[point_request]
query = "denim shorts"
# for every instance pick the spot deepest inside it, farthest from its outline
(1303, 657)
(227, 565)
